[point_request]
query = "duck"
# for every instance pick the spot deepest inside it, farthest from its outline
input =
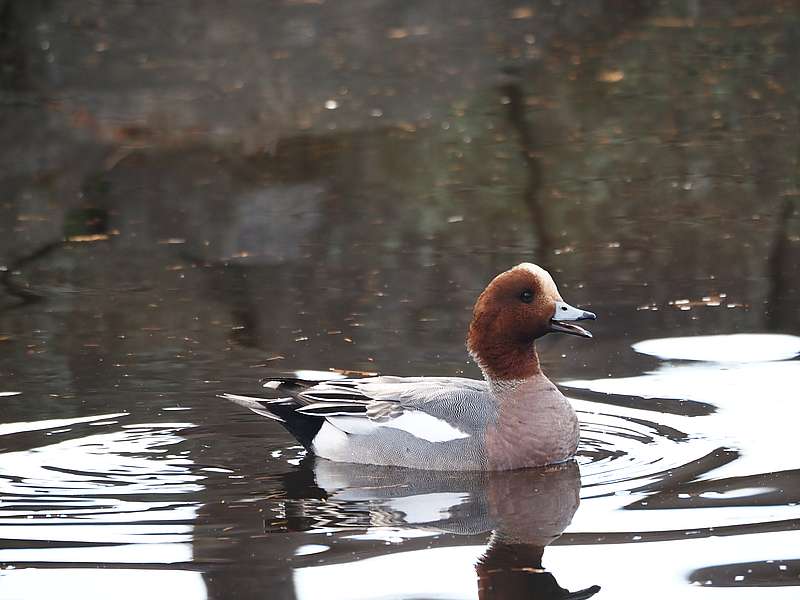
(513, 418)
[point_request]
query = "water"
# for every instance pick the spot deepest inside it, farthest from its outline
(260, 190)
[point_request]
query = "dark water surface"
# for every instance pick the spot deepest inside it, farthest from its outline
(196, 194)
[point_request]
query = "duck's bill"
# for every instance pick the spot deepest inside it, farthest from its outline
(570, 328)
(561, 322)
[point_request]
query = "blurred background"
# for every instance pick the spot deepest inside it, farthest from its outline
(195, 193)
(258, 173)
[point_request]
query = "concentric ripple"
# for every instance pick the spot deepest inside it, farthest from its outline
(623, 451)
(694, 447)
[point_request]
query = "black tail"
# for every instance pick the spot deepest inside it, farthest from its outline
(303, 427)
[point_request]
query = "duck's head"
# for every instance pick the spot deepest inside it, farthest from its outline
(517, 307)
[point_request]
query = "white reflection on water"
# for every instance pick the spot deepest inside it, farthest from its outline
(758, 411)
(114, 496)
(119, 584)
(449, 573)
(120, 461)
(7, 428)
(162, 551)
(734, 348)
(663, 568)
(753, 388)
(446, 573)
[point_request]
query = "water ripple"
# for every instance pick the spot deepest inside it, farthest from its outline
(81, 492)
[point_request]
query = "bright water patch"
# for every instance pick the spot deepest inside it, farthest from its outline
(727, 483)
(734, 348)
(89, 491)
(122, 584)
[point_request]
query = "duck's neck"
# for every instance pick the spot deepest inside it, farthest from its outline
(503, 364)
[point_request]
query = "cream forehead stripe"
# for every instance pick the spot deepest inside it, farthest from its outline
(548, 285)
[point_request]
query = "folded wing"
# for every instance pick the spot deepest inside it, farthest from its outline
(436, 409)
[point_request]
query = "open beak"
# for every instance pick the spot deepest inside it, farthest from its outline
(565, 313)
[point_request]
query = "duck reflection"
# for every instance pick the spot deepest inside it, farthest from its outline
(525, 511)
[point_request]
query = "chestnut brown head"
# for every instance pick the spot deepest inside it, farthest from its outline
(517, 307)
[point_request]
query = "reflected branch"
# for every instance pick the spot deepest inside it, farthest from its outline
(512, 90)
(25, 294)
(781, 272)
(83, 224)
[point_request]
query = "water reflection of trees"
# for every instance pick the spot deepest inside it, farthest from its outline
(650, 181)
(781, 313)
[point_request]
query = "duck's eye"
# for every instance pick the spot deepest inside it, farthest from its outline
(526, 296)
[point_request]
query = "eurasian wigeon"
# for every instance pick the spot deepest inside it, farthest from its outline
(514, 418)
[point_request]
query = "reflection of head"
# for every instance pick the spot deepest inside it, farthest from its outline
(499, 578)
(511, 571)
(508, 585)
(530, 509)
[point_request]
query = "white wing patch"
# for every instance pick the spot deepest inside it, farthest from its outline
(357, 425)
(330, 442)
(417, 423)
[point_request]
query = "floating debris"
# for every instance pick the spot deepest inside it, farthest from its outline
(523, 12)
(612, 76)
(95, 237)
(711, 301)
(351, 372)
